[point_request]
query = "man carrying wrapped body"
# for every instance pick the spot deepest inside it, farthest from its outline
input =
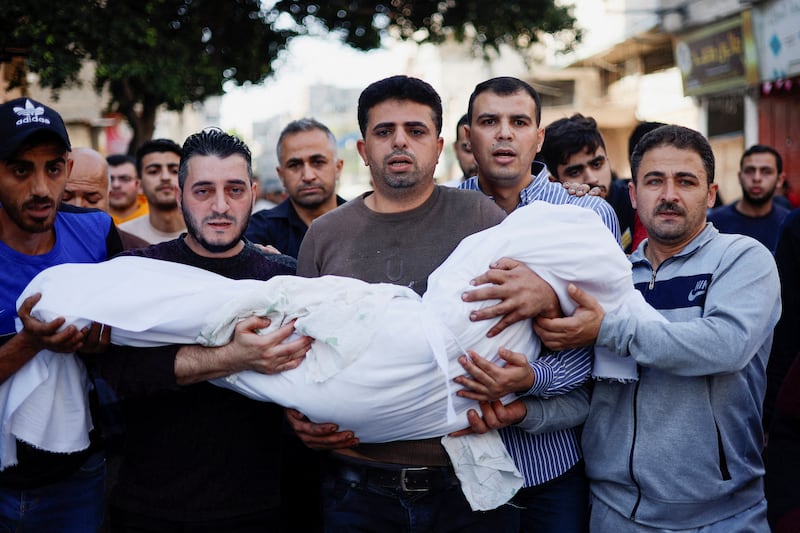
(350, 375)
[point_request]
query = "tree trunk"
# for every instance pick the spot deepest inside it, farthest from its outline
(143, 124)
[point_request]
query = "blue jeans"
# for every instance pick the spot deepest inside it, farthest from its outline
(348, 507)
(74, 505)
(559, 506)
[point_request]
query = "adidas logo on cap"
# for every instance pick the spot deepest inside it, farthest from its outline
(23, 117)
(30, 113)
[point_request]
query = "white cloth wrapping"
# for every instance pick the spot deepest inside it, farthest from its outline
(383, 359)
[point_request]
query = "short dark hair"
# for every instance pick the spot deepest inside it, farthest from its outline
(677, 137)
(301, 125)
(641, 129)
(399, 88)
(567, 136)
(463, 121)
(504, 86)
(155, 145)
(763, 149)
(115, 160)
(213, 142)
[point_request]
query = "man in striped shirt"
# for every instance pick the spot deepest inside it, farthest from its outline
(505, 133)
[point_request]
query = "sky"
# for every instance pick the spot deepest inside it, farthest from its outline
(307, 61)
(325, 60)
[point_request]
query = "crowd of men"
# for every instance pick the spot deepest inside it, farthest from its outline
(679, 446)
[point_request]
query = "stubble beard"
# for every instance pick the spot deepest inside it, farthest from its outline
(669, 232)
(313, 202)
(404, 181)
(765, 197)
(193, 229)
(32, 226)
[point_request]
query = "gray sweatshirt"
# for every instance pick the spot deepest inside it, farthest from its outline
(681, 447)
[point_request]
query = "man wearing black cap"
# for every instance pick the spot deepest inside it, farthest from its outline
(44, 491)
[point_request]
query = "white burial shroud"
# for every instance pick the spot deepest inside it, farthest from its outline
(383, 358)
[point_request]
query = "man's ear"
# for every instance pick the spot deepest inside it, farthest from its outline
(712, 195)
(541, 140)
(279, 172)
(632, 193)
(339, 165)
(362, 151)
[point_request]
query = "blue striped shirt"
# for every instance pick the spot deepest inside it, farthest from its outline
(541, 458)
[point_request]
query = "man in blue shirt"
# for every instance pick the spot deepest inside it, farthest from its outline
(37, 232)
(505, 134)
(756, 215)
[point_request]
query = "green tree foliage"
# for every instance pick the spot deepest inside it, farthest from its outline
(173, 52)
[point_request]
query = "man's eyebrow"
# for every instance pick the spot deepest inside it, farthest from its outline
(229, 181)
(381, 125)
(678, 174)
(657, 173)
(686, 174)
(578, 166)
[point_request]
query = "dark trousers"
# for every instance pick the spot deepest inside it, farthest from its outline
(353, 505)
(126, 522)
(559, 506)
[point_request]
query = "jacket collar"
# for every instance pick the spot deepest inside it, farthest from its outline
(702, 238)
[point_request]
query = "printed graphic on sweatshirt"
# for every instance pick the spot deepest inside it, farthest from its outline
(677, 293)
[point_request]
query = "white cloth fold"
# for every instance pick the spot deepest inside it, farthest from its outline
(383, 358)
(485, 469)
(44, 404)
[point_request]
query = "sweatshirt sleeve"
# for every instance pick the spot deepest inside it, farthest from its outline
(741, 309)
(560, 412)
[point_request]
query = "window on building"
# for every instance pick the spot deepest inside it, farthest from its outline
(556, 92)
(725, 115)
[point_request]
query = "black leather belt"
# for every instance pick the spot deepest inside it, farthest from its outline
(394, 477)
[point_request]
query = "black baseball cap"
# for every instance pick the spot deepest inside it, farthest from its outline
(22, 117)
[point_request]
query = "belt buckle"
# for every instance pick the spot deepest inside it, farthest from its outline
(403, 484)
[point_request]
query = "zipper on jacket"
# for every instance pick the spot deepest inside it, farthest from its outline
(633, 447)
(652, 279)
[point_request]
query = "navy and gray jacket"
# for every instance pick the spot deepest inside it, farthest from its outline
(681, 447)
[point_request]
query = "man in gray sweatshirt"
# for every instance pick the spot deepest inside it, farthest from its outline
(680, 448)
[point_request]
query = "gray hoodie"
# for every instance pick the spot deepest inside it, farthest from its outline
(681, 447)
